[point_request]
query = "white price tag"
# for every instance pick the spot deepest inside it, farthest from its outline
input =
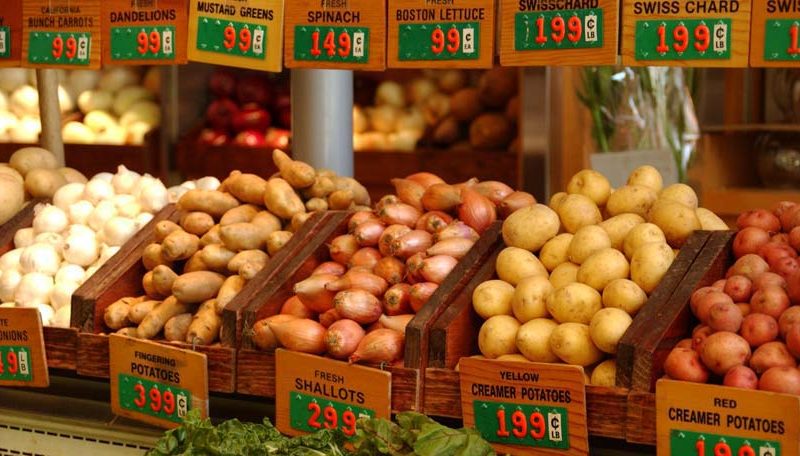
(554, 419)
(183, 405)
(2, 41)
(166, 39)
(469, 41)
(358, 46)
(83, 48)
(23, 362)
(720, 37)
(258, 41)
(590, 28)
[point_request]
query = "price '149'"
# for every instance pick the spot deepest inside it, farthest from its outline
(334, 45)
(680, 38)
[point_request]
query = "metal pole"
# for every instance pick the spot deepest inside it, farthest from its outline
(322, 119)
(50, 113)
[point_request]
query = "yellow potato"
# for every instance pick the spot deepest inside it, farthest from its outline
(197, 223)
(577, 211)
(602, 267)
(564, 274)
(531, 227)
(533, 340)
(592, 184)
(649, 264)
(241, 214)
(624, 294)
(492, 297)
(573, 345)
(605, 374)
(556, 200)
(212, 202)
(586, 241)
(619, 226)
(514, 264)
(676, 220)
(710, 221)
(640, 235)
(498, 336)
(554, 251)
(634, 199)
(199, 286)
(607, 328)
(646, 176)
(515, 357)
(575, 302)
(530, 298)
(680, 193)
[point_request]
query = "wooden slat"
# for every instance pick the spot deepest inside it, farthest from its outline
(641, 418)
(61, 347)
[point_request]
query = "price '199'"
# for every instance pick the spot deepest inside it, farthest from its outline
(571, 29)
(680, 38)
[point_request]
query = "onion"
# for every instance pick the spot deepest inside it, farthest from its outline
(343, 247)
(385, 201)
(467, 183)
(425, 179)
(9, 282)
(101, 214)
(396, 322)
(49, 219)
(390, 269)
(54, 239)
(436, 268)
(358, 305)
(365, 258)
(125, 180)
(360, 217)
(62, 294)
(400, 214)
(98, 190)
(409, 192)
(411, 243)
(295, 307)
(476, 210)
(343, 338)
(118, 230)
(81, 249)
(441, 197)
(301, 335)
(69, 272)
(361, 280)
(433, 221)
(397, 299)
(456, 229)
(369, 233)
(312, 292)
(329, 317)
(329, 267)
(493, 190)
(379, 346)
(514, 202)
(263, 337)
(390, 93)
(68, 195)
(80, 211)
(10, 260)
(454, 247)
(23, 237)
(389, 235)
(414, 267)
(40, 257)
(421, 293)
(34, 288)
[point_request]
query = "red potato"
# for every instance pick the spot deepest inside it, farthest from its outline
(793, 288)
(794, 238)
(750, 266)
(744, 307)
(760, 218)
(699, 336)
(768, 279)
(780, 238)
(789, 318)
(759, 329)
(719, 285)
(774, 251)
(722, 351)
(790, 218)
(785, 266)
(684, 343)
(698, 295)
(685, 364)
(793, 341)
(725, 316)
(771, 354)
(704, 305)
(741, 377)
(772, 301)
(739, 288)
(749, 240)
(780, 380)
(782, 207)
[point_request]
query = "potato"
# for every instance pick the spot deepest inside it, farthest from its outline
(646, 176)
(677, 221)
(212, 202)
(573, 345)
(164, 228)
(229, 289)
(556, 200)
(115, 315)
(607, 328)
(154, 321)
(240, 214)
(12, 198)
(619, 226)
(205, 325)
(29, 158)
(216, 257)
(741, 377)
(276, 240)
(245, 257)
(725, 316)
(603, 267)
(151, 257)
(8, 171)
(649, 264)
(771, 354)
(591, 184)
(564, 274)
(574, 302)
(514, 357)
(211, 237)
(198, 286)
(585, 242)
(43, 183)
(140, 310)
(640, 235)
(530, 227)
(492, 297)
(680, 193)
(533, 340)
(242, 236)
(709, 221)
(267, 222)
(781, 380)
(530, 298)
(163, 277)
(281, 199)
(789, 318)
(248, 188)
(605, 374)
(514, 264)
(195, 263)
(72, 175)
(176, 327)
(554, 251)
(179, 245)
(723, 351)
(624, 294)
(633, 199)
(750, 266)
(577, 211)
(490, 131)
(197, 223)
(685, 364)
(772, 301)
(498, 336)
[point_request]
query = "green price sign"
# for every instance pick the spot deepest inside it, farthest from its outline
(568, 29)
(240, 39)
(683, 443)
(450, 41)
(310, 413)
(683, 39)
(152, 398)
(15, 363)
(137, 43)
(780, 39)
(332, 44)
(525, 425)
(5, 42)
(64, 48)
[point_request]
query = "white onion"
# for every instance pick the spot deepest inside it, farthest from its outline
(81, 250)
(40, 257)
(118, 230)
(79, 212)
(10, 260)
(34, 288)
(77, 228)
(207, 183)
(12, 78)
(101, 214)
(125, 180)
(53, 239)
(154, 197)
(98, 190)
(62, 317)
(176, 192)
(69, 272)
(45, 311)
(9, 283)
(62, 294)
(24, 237)
(105, 177)
(49, 219)
(26, 130)
(68, 195)
(143, 219)
(95, 100)
(25, 101)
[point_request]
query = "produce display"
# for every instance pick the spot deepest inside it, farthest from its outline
(225, 236)
(387, 266)
(442, 108)
(115, 106)
(749, 331)
(574, 273)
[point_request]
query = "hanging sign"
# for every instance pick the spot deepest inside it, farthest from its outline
(337, 34)
(710, 420)
(526, 408)
(22, 357)
(238, 33)
(562, 32)
(700, 33)
(313, 392)
(145, 32)
(774, 32)
(61, 34)
(441, 33)
(155, 383)
(11, 33)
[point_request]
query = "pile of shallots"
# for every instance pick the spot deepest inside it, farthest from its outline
(386, 268)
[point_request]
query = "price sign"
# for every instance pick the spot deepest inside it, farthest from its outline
(346, 34)
(22, 357)
(145, 32)
(320, 393)
(581, 32)
(526, 408)
(61, 34)
(446, 34)
(243, 33)
(706, 33)
(154, 383)
(774, 31)
(709, 420)
(10, 33)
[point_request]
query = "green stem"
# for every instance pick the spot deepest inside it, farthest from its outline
(599, 134)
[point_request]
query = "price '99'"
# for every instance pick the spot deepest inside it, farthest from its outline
(245, 38)
(148, 43)
(58, 47)
(10, 364)
(680, 37)
(155, 399)
(572, 29)
(331, 418)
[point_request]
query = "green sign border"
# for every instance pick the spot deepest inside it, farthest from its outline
(414, 42)
(124, 46)
(486, 424)
(210, 30)
(127, 395)
(6, 375)
(682, 443)
(647, 40)
(298, 410)
(302, 34)
(40, 47)
(776, 40)
(523, 30)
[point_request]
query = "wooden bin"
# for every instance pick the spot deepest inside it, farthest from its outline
(454, 335)
(256, 369)
(60, 344)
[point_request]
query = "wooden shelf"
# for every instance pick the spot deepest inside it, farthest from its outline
(733, 201)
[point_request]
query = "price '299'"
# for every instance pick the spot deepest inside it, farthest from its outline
(330, 418)
(681, 38)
